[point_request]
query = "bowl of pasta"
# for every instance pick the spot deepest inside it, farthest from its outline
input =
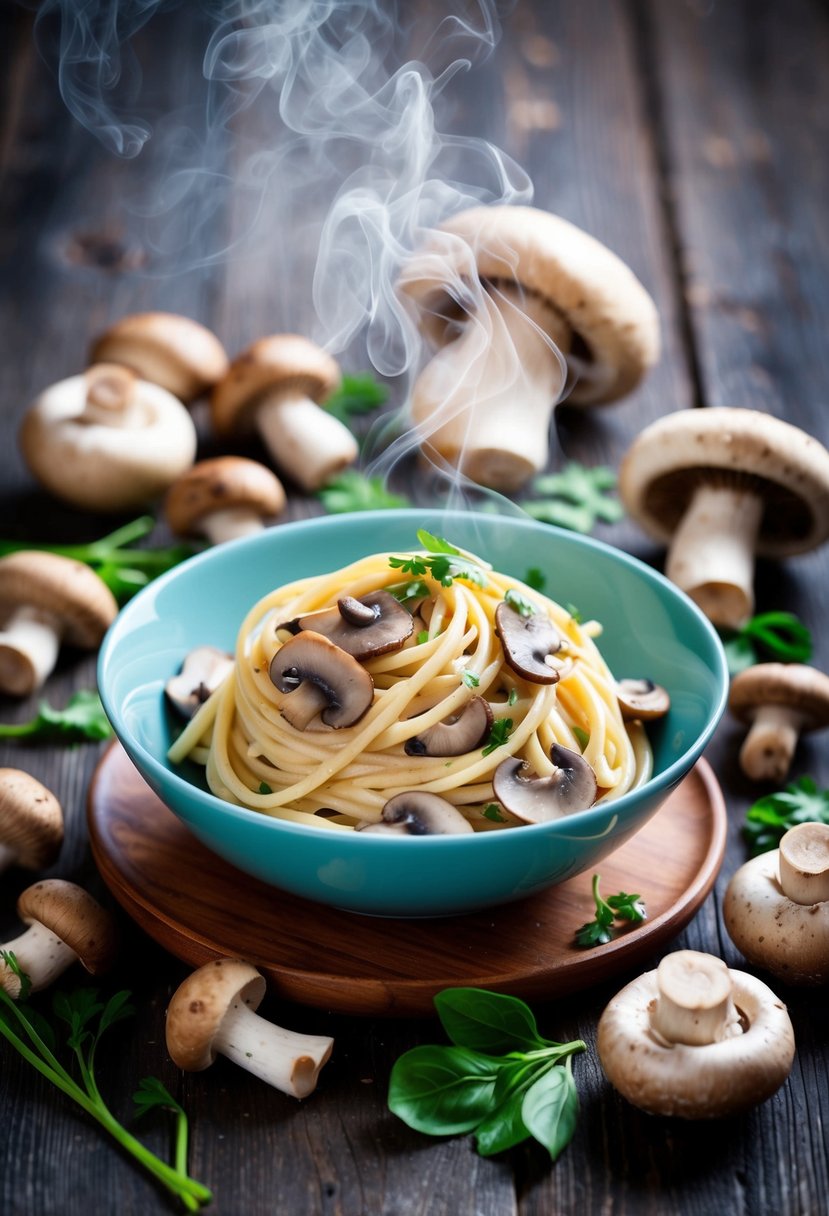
(413, 713)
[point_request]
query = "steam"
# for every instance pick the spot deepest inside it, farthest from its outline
(309, 127)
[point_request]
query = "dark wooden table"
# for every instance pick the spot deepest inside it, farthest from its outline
(693, 140)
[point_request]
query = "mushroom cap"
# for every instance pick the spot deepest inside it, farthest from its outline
(419, 813)
(788, 939)
(73, 916)
(372, 625)
(165, 348)
(592, 288)
(201, 673)
(222, 484)
(199, 1005)
(794, 685)
(696, 1081)
(642, 700)
(31, 819)
(319, 677)
(737, 448)
(527, 643)
(106, 468)
(61, 588)
(457, 736)
(570, 787)
(280, 363)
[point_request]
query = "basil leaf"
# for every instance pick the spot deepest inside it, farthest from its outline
(487, 1021)
(550, 1110)
(442, 1090)
(505, 1127)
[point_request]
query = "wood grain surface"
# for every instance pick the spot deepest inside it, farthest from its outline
(692, 138)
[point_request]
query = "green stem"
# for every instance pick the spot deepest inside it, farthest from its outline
(20, 731)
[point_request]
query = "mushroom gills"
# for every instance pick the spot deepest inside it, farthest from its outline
(571, 787)
(454, 737)
(418, 813)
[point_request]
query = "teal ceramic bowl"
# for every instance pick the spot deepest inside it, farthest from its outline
(650, 629)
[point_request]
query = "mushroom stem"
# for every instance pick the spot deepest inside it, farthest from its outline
(712, 552)
(485, 401)
(110, 395)
(222, 526)
(29, 646)
(289, 1061)
(305, 442)
(804, 864)
(694, 1005)
(40, 955)
(768, 748)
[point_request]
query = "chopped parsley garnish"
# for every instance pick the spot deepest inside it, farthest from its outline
(519, 603)
(583, 736)
(616, 907)
(264, 788)
(470, 679)
(492, 811)
(535, 578)
(513, 696)
(442, 561)
(576, 498)
(499, 733)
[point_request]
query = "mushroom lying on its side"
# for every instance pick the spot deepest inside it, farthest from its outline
(642, 700)
(418, 813)
(721, 485)
(223, 499)
(529, 644)
(202, 671)
(31, 822)
(106, 441)
(570, 787)
(456, 737)
(66, 925)
(176, 352)
(695, 1040)
(780, 701)
(214, 1012)
(776, 907)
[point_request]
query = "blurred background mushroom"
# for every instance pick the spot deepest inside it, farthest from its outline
(517, 302)
(780, 702)
(722, 485)
(31, 821)
(223, 499)
(175, 352)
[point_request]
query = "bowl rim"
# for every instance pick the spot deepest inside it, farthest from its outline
(659, 784)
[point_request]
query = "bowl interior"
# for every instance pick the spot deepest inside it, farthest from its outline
(650, 629)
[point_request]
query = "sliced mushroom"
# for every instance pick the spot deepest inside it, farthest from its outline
(457, 735)
(572, 787)
(202, 671)
(415, 813)
(528, 642)
(642, 700)
(320, 678)
(372, 625)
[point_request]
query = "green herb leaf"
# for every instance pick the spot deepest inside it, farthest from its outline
(409, 565)
(404, 593)
(513, 696)
(499, 733)
(442, 1090)
(550, 1110)
(152, 1094)
(582, 736)
(423, 636)
(82, 719)
(491, 1022)
(10, 959)
(574, 613)
(505, 1126)
(622, 906)
(519, 603)
(436, 544)
(535, 578)
(492, 811)
(576, 498)
(470, 679)
(353, 491)
(627, 907)
(357, 394)
(778, 636)
(264, 788)
(771, 816)
(445, 563)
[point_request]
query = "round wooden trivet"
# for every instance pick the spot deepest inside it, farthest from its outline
(198, 907)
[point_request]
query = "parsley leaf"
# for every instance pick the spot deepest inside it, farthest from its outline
(445, 563)
(82, 719)
(582, 736)
(403, 592)
(358, 394)
(600, 930)
(771, 816)
(519, 603)
(264, 788)
(492, 811)
(576, 498)
(535, 579)
(353, 491)
(470, 679)
(499, 733)
(769, 635)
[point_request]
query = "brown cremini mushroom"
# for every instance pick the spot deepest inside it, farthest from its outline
(202, 671)
(722, 485)
(695, 1040)
(569, 788)
(66, 925)
(46, 600)
(642, 700)
(213, 1012)
(275, 385)
(529, 644)
(106, 441)
(366, 627)
(776, 907)
(180, 354)
(223, 499)
(456, 736)
(514, 299)
(419, 813)
(320, 679)
(780, 701)
(31, 822)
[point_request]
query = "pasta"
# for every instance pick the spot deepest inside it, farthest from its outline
(279, 750)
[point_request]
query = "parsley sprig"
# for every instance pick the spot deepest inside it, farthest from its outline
(771, 816)
(354, 491)
(357, 394)
(442, 561)
(499, 1079)
(499, 733)
(85, 1019)
(576, 498)
(622, 906)
(769, 635)
(83, 718)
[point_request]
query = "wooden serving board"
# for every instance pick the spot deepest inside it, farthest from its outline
(198, 907)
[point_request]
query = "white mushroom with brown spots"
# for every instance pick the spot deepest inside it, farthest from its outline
(45, 601)
(455, 736)
(202, 672)
(780, 702)
(65, 925)
(179, 354)
(275, 387)
(516, 301)
(776, 907)
(722, 486)
(213, 1012)
(224, 499)
(31, 821)
(570, 787)
(695, 1040)
(107, 441)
